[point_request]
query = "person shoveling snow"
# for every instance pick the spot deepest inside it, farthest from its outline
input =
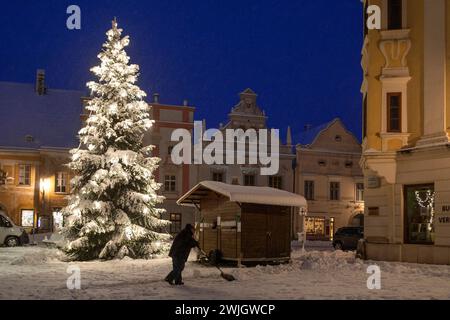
(179, 252)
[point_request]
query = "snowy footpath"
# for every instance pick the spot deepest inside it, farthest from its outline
(38, 273)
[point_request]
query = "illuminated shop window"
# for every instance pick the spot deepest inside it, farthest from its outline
(58, 219)
(28, 218)
(319, 228)
(419, 214)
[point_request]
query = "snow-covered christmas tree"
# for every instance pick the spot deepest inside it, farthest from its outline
(112, 210)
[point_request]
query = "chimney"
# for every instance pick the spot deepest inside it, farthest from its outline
(156, 98)
(40, 82)
(289, 137)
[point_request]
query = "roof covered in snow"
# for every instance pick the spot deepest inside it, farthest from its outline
(52, 120)
(243, 194)
(307, 137)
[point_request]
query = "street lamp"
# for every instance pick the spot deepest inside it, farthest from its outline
(44, 185)
(303, 214)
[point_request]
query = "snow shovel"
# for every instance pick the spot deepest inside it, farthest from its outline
(224, 275)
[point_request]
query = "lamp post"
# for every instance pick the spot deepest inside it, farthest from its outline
(44, 187)
(303, 214)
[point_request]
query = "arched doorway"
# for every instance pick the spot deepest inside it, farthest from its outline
(358, 220)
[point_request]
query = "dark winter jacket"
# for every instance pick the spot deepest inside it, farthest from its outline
(182, 245)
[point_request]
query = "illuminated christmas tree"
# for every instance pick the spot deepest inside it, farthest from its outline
(112, 211)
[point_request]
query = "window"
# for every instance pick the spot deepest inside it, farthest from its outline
(61, 182)
(170, 183)
(28, 218)
(4, 222)
(276, 182)
(338, 138)
(349, 164)
(218, 176)
(318, 228)
(249, 180)
(335, 191)
(419, 214)
(373, 211)
(175, 219)
(309, 190)
(24, 175)
(322, 163)
(360, 192)
(394, 120)
(395, 14)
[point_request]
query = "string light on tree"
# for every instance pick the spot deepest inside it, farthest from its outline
(427, 203)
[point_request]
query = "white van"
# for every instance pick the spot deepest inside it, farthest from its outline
(10, 234)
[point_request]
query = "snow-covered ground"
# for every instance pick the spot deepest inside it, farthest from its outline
(38, 273)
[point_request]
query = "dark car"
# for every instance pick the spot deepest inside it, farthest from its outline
(347, 238)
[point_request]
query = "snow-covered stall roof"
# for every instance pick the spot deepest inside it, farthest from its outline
(243, 194)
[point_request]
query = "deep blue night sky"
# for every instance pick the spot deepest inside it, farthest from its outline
(302, 56)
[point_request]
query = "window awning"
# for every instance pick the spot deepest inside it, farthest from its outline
(243, 194)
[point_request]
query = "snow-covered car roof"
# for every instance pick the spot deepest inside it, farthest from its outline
(243, 194)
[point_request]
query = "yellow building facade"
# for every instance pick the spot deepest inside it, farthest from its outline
(406, 120)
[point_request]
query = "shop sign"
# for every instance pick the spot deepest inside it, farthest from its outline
(373, 182)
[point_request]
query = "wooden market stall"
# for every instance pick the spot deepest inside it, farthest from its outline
(245, 224)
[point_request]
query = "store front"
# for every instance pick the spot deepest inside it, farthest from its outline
(419, 214)
(319, 228)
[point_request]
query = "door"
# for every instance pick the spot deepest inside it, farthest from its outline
(278, 235)
(254, 234)
(265, 232)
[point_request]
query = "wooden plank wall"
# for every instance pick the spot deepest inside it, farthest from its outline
(225, 238)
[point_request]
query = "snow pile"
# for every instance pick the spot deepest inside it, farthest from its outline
(38, 256)
(328, 261)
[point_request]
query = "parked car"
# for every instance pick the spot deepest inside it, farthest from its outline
(10, 234)
(347, 238)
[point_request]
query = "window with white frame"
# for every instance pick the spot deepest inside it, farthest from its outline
(24, 175)
(61, 182)
(360, 192)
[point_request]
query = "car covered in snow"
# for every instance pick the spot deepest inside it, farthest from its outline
(10, 234)
(347, 238)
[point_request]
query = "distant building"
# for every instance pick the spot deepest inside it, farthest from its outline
(406, 145)
(39, 126)
(328, 175)
(176, 180)
(248, 115)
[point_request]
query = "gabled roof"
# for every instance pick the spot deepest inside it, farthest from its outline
(249, 91)
(308, 137)
(53, 119)
(243, 194)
